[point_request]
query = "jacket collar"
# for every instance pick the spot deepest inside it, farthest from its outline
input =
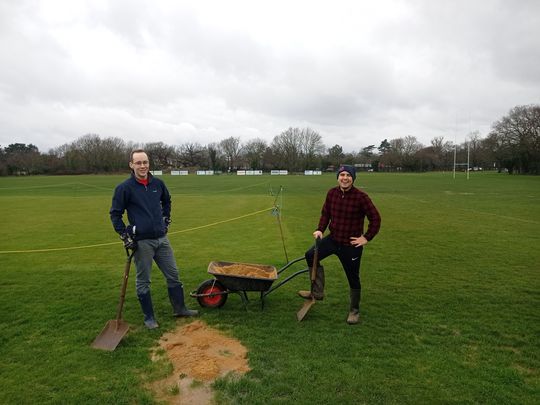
(347, 191)
(150, 177)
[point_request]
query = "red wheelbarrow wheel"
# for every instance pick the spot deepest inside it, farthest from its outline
(205, 291)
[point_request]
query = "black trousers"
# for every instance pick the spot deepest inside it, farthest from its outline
(349, 256)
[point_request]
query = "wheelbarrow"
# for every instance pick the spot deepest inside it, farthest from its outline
(240, 278)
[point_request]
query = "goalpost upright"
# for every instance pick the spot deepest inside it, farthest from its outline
(462, 164)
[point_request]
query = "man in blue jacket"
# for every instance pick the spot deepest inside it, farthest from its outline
(148, 205)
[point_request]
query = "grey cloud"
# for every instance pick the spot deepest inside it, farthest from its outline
(435, 69)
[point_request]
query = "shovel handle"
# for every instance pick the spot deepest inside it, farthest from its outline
(315, 260)
(124, 285)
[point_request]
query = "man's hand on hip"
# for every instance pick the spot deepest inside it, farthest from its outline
(358, 241)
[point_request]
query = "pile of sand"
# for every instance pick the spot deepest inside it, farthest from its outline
(246, 270)
(199, 354)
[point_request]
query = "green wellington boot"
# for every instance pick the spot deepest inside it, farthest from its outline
(176, 296)
(317, 286)
(354, 311)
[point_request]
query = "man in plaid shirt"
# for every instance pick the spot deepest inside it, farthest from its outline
(343, 212)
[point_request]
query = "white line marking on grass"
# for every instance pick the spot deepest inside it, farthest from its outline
(55, 185)
(98, 187)
(33, 187)
(410, 199)
(528, 221)
(216, 192)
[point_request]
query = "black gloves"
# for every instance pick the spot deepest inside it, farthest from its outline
(128, 237)
(167, 221)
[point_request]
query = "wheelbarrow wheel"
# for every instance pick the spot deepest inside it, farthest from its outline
(205, 297)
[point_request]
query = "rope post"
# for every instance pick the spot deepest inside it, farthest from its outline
(276, 211)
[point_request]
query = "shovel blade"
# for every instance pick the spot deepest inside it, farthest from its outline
(111, 335)
(305, 308)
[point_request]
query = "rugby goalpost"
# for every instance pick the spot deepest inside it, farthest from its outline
(462, 164)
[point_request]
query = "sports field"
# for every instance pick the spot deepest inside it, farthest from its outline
(450, 307)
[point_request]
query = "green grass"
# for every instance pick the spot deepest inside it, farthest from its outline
(450, 306)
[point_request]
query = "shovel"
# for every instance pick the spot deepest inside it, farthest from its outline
(115, 329)
(309, 303)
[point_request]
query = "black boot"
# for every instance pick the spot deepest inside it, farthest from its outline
(317, 287)
(176, 296)
(148, 310)
(354, 311)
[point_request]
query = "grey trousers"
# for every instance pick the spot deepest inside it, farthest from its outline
(160, 251)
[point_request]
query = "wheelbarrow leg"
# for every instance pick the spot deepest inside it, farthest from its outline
(244, 297)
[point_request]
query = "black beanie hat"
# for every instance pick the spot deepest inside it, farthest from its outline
(349, 169)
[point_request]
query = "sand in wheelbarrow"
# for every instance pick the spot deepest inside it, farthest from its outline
(246, 270)
(199, 355)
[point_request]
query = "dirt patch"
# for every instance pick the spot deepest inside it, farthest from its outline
(199, 354)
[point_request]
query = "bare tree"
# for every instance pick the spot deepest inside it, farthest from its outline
(513, 144)
(411, 147)
(191, 154)
(113, 151)
(89, 147)
(436, 156)
(475, 148)
(297, 149)
(519, 134)
(287, 149)
(392, 159)
(312, 148)
(498, 150)
(213, 154)
(160, 154)
(231, 149)
(254, 152)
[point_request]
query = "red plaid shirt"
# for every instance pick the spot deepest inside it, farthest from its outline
(345, 213)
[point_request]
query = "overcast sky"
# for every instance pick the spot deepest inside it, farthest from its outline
(357, 72)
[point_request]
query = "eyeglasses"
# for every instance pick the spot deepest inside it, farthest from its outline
(143, 163)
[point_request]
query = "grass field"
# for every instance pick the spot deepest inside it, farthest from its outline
(450, 306)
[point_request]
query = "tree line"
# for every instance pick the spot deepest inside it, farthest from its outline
(512, 145)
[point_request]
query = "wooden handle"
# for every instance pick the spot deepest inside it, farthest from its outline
(315, 260)
(124, 286)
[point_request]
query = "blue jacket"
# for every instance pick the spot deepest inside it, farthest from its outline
(146, 207)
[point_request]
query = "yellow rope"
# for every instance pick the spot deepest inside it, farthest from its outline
(220, 222)
(115, 243)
